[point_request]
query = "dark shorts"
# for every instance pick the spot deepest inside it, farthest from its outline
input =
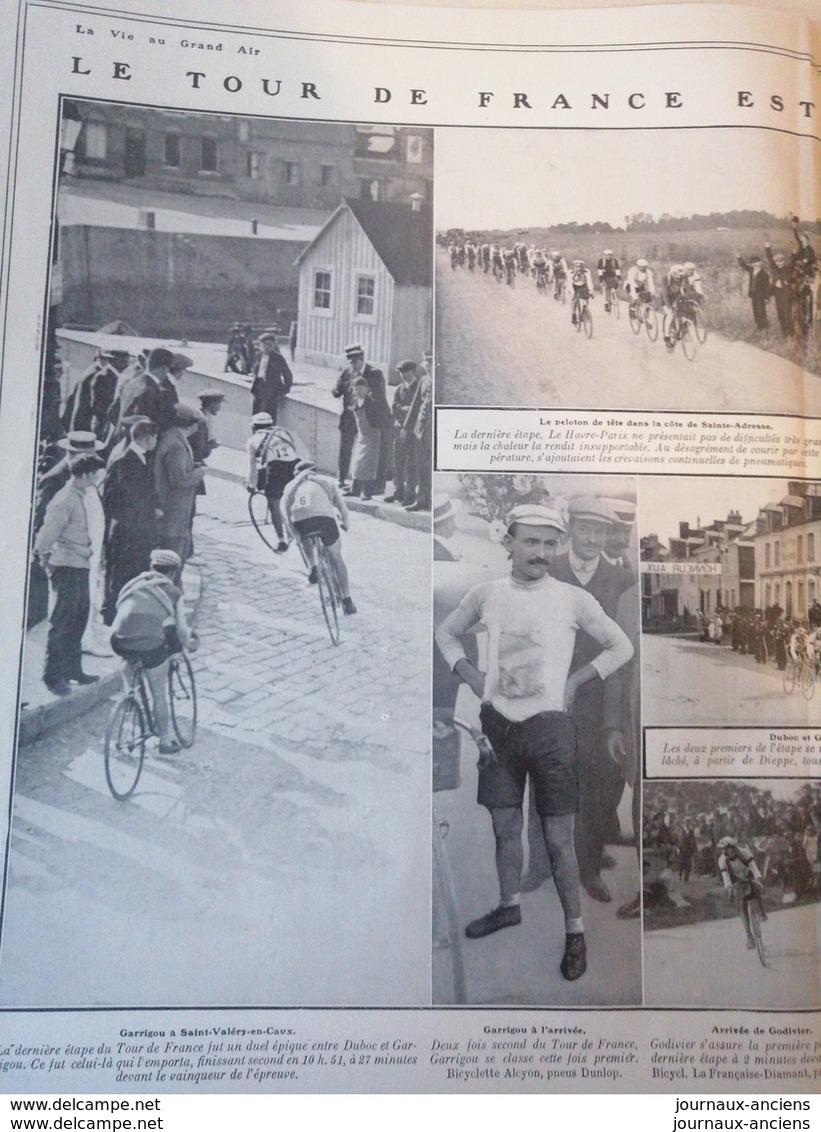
(544, 747)
(150, 658)
(322, 525)
(278, 474)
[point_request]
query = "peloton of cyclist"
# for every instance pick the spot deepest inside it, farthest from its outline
(310, 505)
(582, 283)
(609, 273)
(737, 863)
(639, 281)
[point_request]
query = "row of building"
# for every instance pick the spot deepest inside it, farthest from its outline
(773, 560)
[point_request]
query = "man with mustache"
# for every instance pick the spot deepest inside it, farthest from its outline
(527, 694)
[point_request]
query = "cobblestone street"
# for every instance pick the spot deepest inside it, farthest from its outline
(285, 858)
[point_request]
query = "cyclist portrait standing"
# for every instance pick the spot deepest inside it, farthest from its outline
(310, 505)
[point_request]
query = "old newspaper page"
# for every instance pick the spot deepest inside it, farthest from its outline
(409, 431)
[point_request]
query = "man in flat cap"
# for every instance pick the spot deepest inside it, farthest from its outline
(272, 377)
(130, 507)
(528, 693)
(176, 478)
(601, 781)
(154, 394)
(90, 402)
(404, 446)
(759, 289)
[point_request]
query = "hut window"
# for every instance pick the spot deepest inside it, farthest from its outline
(322, 290)
(365, 295)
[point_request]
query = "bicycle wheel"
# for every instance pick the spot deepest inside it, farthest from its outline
(688, 339)
(700, 325)
(755, 928)
(260, 512)
(808, 680)
(587, 322)
(790, 676)
(326, 584)
(651, 322)
(182, 698)
(635, 318)
(125, 736)
(613, 300)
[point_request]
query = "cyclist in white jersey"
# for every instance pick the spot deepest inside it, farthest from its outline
(310, 505)
(737, 865)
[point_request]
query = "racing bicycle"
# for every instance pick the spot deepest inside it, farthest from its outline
(317, 558)
(641, 312)
(745, 893)
(131, 723)
(581, 314)
(682, 329)
(611, 297)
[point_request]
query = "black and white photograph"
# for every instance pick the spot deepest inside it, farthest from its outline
(731, 891)
(731, 601)
(587, 270)
(536, 717)
(222, 781)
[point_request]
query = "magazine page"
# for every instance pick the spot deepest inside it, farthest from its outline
(410, 428)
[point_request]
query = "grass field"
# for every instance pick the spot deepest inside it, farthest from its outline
(728, 308)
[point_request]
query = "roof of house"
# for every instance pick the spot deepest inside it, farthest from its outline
(401, 237)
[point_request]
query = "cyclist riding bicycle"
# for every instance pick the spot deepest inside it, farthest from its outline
(149, 627)
(559, 269)
(639, 281)
(674, 286)
(582, 283)
(310, 505)
(737, 866)
(609, 273)
(273, 453)
(694, 288)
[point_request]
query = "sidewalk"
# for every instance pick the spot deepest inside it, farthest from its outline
(41, 711)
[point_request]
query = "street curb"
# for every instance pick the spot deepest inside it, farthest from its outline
(414, 520)
(39, 721)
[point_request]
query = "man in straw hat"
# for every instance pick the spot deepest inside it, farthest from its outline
(527, 695)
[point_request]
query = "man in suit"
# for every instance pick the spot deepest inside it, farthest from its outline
(358, 367)
(759, 289)
(272, 377)
(154, 395)
(90, 402)
(601, 781)
(130, 506)
(176, 479)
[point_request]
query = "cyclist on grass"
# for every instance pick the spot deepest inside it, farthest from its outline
(737, 866)
(149, 627)
(310, 506)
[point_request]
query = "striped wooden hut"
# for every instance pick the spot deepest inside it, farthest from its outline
(367, 277)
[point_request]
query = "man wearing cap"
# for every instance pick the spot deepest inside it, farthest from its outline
(176, 479)
(148, 627)
(601, 783)
(130, 506)
(90, 403)
(532, 622)
(154, 395)
(404, 448)
(204, 440)
(63, 547)
(419, 423)
(347, 418)
(758, 288)
(375, 379)
(781, 287)
(272, 377)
